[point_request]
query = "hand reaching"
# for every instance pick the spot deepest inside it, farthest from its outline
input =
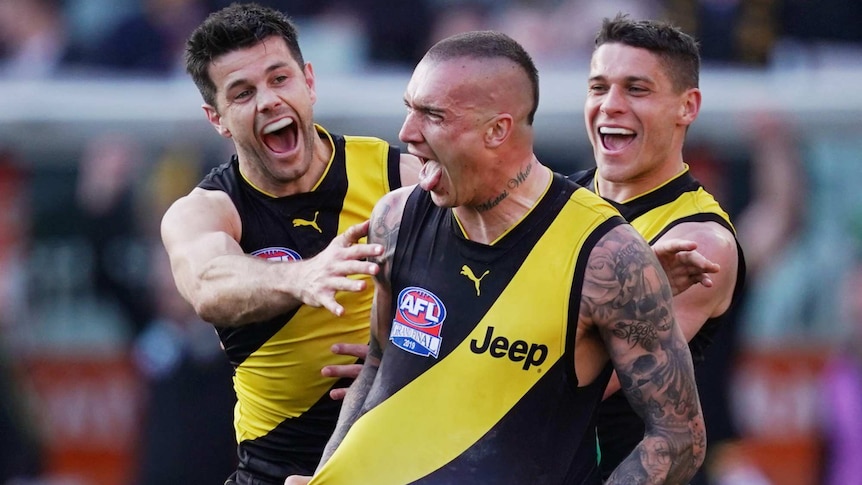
(683, 265)
(328, 272)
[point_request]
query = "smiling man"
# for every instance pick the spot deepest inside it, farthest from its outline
(265, 243)
(642, 96)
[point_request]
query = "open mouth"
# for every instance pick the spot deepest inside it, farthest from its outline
(280, 136)
(615, 138)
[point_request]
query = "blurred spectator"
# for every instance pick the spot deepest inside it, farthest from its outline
(187, 435)
(110, 220)
(152, 40)
(33, 39)
(20, 442)
(397, 32)
(730, 31)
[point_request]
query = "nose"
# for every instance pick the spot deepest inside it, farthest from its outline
(614, 101)
(409, 133)
(267, 99)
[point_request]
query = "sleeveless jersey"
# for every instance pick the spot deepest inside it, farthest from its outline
(284, 416)
(478, 374)
(681, 199)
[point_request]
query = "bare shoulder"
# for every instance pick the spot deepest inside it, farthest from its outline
(713, 239)
(716, 243)
(199, 212)
(386, 215)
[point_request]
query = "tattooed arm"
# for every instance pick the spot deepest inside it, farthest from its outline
(385, 222)
(627, 298)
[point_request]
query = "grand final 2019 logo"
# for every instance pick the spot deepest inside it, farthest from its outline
(418, 322)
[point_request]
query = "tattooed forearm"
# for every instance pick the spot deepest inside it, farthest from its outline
(353, 406)
(627, 296)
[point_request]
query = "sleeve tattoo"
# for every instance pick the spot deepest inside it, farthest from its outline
(628, 297)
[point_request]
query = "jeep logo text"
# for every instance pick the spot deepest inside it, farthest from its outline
(517, 351)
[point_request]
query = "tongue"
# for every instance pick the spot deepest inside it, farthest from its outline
(616, 142)
(281, 141)
(429, 176)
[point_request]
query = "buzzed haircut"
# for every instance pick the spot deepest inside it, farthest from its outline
(238, 26)
(489, 44)
(678, 51)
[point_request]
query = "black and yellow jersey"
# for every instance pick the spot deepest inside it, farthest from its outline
(284, 416)
(478, 376)
(681, 199)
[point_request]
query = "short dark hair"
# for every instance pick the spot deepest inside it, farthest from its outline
(678, 51)
(488, 44)
(237, 26)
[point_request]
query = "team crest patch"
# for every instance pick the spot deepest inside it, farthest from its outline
(418, 322)
(277, 254)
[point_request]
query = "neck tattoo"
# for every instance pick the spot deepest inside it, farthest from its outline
(520, 177)
(486, 206)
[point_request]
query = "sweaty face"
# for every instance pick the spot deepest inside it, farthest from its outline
(446, 117)
(635, 119)
(264, 104)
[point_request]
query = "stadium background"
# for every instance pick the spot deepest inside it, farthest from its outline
(104, 372)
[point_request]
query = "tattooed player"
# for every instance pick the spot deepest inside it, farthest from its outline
(504, 291)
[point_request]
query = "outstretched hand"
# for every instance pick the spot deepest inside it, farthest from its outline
(683, 265)
(329, 272)
(350, 371)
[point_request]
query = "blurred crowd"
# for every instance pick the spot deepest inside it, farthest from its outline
(82, 274)
(40, 38)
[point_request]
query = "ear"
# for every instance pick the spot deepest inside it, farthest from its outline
(690, 107)
(309, 81)
(498, 130)
(215, 119)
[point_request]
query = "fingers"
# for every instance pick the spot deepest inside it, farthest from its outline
(354, 233)
(356, 350)
(338, 394)
(697, 263)
(672, 246)
(347, 370)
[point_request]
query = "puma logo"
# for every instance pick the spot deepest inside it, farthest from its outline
(313, 223)
(466, 271)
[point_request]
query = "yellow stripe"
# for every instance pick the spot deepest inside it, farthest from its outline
(448, 408)
(656, 220)
(283, 378)
(368, 180)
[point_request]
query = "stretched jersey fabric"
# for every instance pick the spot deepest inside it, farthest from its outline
(284, 416)
(681, 199)
(478, 374)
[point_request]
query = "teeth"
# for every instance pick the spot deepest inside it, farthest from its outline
(607, 130)
(277, 125)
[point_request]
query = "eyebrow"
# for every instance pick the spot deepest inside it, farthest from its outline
(240, 81)
(627, 79)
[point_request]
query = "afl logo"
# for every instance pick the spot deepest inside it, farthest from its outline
(277, 254)
(418, 322)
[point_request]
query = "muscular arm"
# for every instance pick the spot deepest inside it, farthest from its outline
(627, 298)
(385, 223)
(716, 248)
(226, 287)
